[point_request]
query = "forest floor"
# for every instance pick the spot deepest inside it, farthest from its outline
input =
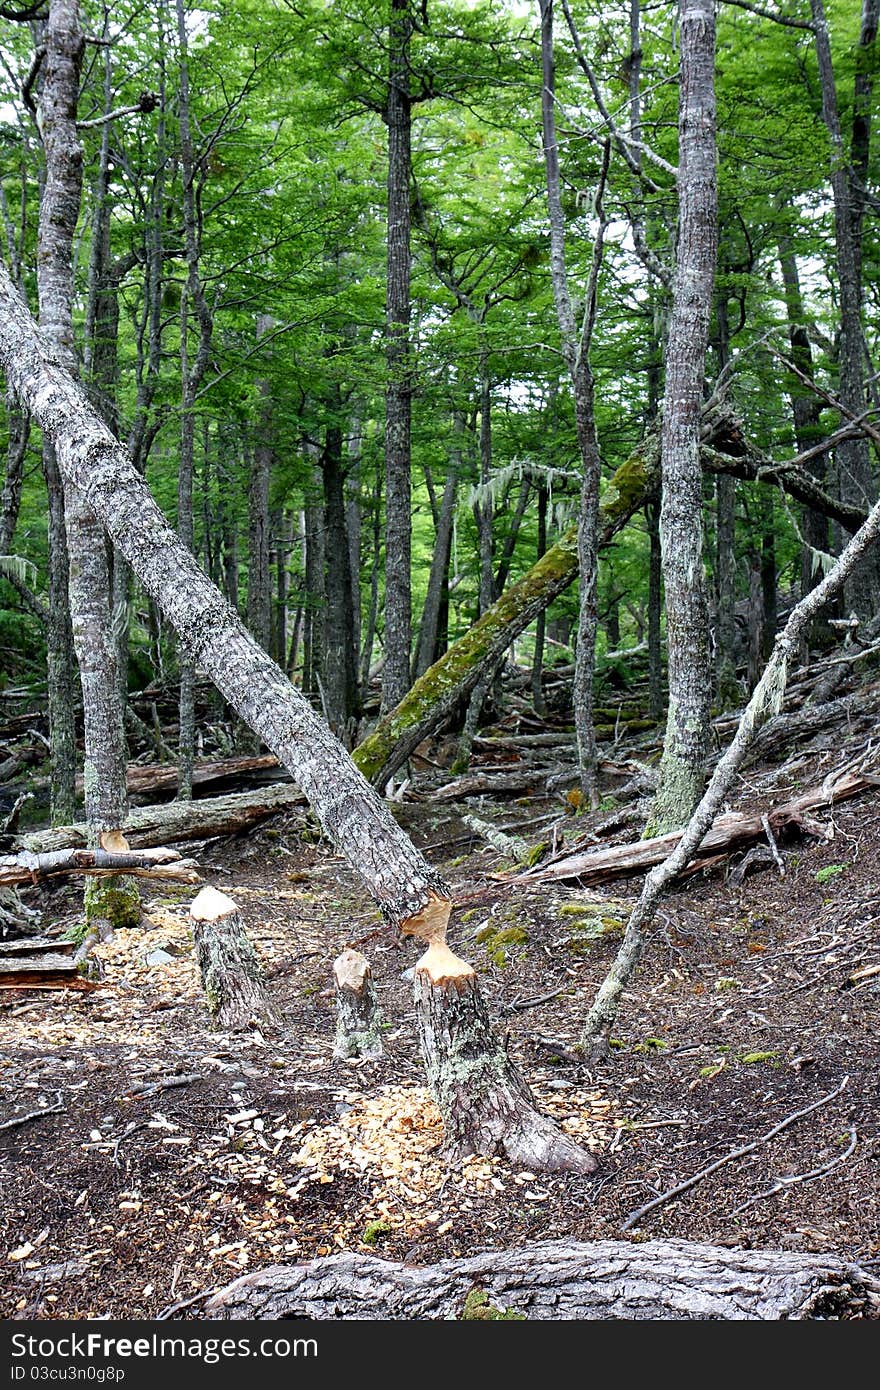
(179, 1157)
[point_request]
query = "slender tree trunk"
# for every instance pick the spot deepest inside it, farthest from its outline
(682, 767)
(398, 393)
(438, 577)
(373, 608)
(576, 352)
(856, 480)
(18, 427)
(339, 673)
(191, 374)
(655, 607)
(541, 622)
(493, 1114)
(281, 528)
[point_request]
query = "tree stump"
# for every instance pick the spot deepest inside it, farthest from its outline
(486, 1106)
(232, 976)
(357, 1014)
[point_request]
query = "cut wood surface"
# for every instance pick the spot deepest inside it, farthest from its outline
(179, 820)
(555, 1280)
(729, 832)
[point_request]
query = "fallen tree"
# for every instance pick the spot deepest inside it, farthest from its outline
(437, 693)
(178, 820)
(728, 832)
(27, 867)
(554, 1280)
(410, 894)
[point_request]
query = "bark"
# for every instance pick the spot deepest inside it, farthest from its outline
(398, 392)
(438, 577)
(668, 1280)
(727, 834)
(766, 700)
(684, 751)
(28, 867)
(576, 352)
(258, 596)
(282, 581)
(313, 637)
(339, 667)
(408, 891)
(655, 606)
(853, 459)
(231, 974)
(486, 1106)
(88, 573)
(179, 820)
(541, 620)
(18, 427)
(358, 1021)
(191, 374)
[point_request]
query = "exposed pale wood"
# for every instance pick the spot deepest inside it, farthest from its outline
(729, 832)
(565, 1280)
(430, 924)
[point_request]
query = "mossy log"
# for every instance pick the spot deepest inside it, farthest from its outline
(564, 1280)
(358, 1032)
(232, 976)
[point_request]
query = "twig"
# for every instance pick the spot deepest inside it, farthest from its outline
(167, 1083)
(635, 1216)
(782, 1183)
(33, 1115)
(517, 1004)
(186, 1303)
(774, 848)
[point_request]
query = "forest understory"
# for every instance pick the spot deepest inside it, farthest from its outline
(172, 1158)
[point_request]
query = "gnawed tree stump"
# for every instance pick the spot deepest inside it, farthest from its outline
(486, 1106)
(232, 976)
(357, 1014)
(669, 1280)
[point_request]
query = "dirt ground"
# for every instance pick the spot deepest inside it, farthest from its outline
(172, 1158)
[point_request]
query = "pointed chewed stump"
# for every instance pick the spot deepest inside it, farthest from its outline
(232, 976)
(357, 1014)
(486, 1106)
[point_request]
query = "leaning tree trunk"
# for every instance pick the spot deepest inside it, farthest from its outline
(682, 767)
(409, 893)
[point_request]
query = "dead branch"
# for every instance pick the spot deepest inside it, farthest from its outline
(794, 1179)
(635, 1216)
(27, 867)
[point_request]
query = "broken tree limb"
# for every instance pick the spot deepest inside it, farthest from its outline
(178, 820)
(728, 832)
(564, 1280)
(231, 974)
(766, 701)
(27, 867)
(357, 1014)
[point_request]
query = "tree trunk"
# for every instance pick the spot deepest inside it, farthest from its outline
(438, 577)
(682, 767)
(409, 892)
(398, 392)
(541, 621)
(339, 669)
(258, 597)
(358, 1021)
(232, 977)
(564, 1280)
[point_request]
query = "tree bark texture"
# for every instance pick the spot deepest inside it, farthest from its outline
(669, 1280)
(684, 751)
(231, 974)
(398, 392)
(358, 1021)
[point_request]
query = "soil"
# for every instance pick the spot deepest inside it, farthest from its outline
(179, 1157)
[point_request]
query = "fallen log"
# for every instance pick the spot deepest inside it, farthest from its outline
(437, 693)
(148, 779)
(178, 820)
(37, 961)
(669, 1280)
(728, 832)
(28, 867)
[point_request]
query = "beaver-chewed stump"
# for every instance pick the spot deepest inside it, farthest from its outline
(358, 1021)
(485, 1104)
(232, 976)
